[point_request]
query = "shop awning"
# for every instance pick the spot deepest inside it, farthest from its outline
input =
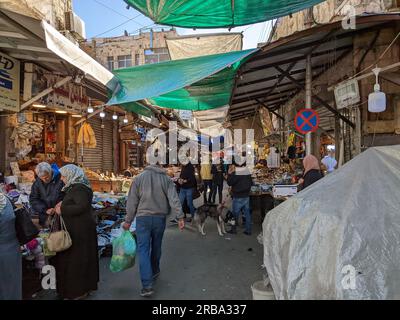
(71, 53)
(217, 13)
(200, 83)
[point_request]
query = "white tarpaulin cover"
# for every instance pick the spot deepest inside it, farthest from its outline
(68, 51)
(349, 218)
(210, 122)
(203, 45)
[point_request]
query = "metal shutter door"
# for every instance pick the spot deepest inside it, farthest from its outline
(108, 154)
(92, 157)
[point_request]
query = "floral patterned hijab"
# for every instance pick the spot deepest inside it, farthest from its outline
(73, 175)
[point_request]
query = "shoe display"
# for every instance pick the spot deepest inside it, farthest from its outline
(146, 292)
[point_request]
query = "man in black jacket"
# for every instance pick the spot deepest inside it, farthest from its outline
(46, 191)
(188, 184)
(239, 178)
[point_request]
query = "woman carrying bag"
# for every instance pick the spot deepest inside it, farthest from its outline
(77, 268)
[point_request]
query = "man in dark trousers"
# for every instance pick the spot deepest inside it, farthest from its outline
(218, 172)
(239, 179)
(151, 198)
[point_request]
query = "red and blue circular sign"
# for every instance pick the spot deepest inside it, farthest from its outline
(306, 121)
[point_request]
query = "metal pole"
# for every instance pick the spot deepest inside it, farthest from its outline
(308, 100)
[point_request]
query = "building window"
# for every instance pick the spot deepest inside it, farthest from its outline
(156, 55)
(137, 59)
(110, 63)
(124, 61)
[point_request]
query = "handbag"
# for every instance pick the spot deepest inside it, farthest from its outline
(59, 240)
(24, 227)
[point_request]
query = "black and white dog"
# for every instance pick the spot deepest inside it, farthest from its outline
(221, 213)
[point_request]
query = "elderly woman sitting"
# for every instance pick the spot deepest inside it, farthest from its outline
(46, 191)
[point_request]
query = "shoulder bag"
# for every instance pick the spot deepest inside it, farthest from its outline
(59, 240)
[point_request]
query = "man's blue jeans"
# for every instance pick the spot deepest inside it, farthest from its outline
(149, 235)
(240, 204)
(188, 195)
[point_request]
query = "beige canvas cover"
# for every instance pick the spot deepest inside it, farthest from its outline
(203, 45)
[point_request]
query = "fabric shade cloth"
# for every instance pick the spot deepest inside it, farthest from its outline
(217, 13)
(203, 45)
(200, 83)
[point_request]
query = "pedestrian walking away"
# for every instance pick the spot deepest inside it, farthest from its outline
(151, 198)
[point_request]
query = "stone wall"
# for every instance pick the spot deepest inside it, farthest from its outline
(329, 11)
(102, 48)
(52, 11)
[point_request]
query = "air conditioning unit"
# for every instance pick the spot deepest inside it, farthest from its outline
(75, 25)
(347, 94)
(70, 37)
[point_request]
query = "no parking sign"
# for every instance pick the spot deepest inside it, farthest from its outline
(306, 120)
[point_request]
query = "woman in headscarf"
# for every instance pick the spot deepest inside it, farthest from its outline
(10, 254)
(77, 268)
(312, 171)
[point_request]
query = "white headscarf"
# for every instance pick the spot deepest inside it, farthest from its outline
(73, 175)
(3, 202)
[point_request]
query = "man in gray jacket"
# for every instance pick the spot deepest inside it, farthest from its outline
(151, 198)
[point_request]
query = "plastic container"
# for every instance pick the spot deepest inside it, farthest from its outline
(262, 291)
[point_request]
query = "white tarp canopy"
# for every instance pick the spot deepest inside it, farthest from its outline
(71, 53)
(210, 122)
(203, 45)
(349, 219)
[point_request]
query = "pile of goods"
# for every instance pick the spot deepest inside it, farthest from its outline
(22, 136)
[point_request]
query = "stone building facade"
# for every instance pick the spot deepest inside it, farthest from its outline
(147, 47)
(53, 11)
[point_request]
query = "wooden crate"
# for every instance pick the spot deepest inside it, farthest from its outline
(117, 186)
(101, 186)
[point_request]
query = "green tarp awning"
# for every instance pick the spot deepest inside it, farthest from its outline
(217, 13)
(200, 83)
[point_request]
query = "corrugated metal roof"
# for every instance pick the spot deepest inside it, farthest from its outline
(259, 81)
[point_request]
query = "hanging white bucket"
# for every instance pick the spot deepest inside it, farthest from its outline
(262, 291)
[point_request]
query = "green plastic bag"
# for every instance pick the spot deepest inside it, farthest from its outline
(124, 252)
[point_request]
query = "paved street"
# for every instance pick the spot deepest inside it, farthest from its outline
(194, 267)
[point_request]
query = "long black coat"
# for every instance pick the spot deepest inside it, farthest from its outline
(311, 177)
(77, 268)
(46, 196)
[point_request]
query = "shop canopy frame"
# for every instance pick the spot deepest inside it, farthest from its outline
(217, 13)
(277, 73)
(23, 38)
(32, 40)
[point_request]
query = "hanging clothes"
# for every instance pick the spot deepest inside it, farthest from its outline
(86, 136)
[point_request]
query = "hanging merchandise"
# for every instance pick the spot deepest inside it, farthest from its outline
(291, 139)
(86, 136)
(377, 99)
(22, 136)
